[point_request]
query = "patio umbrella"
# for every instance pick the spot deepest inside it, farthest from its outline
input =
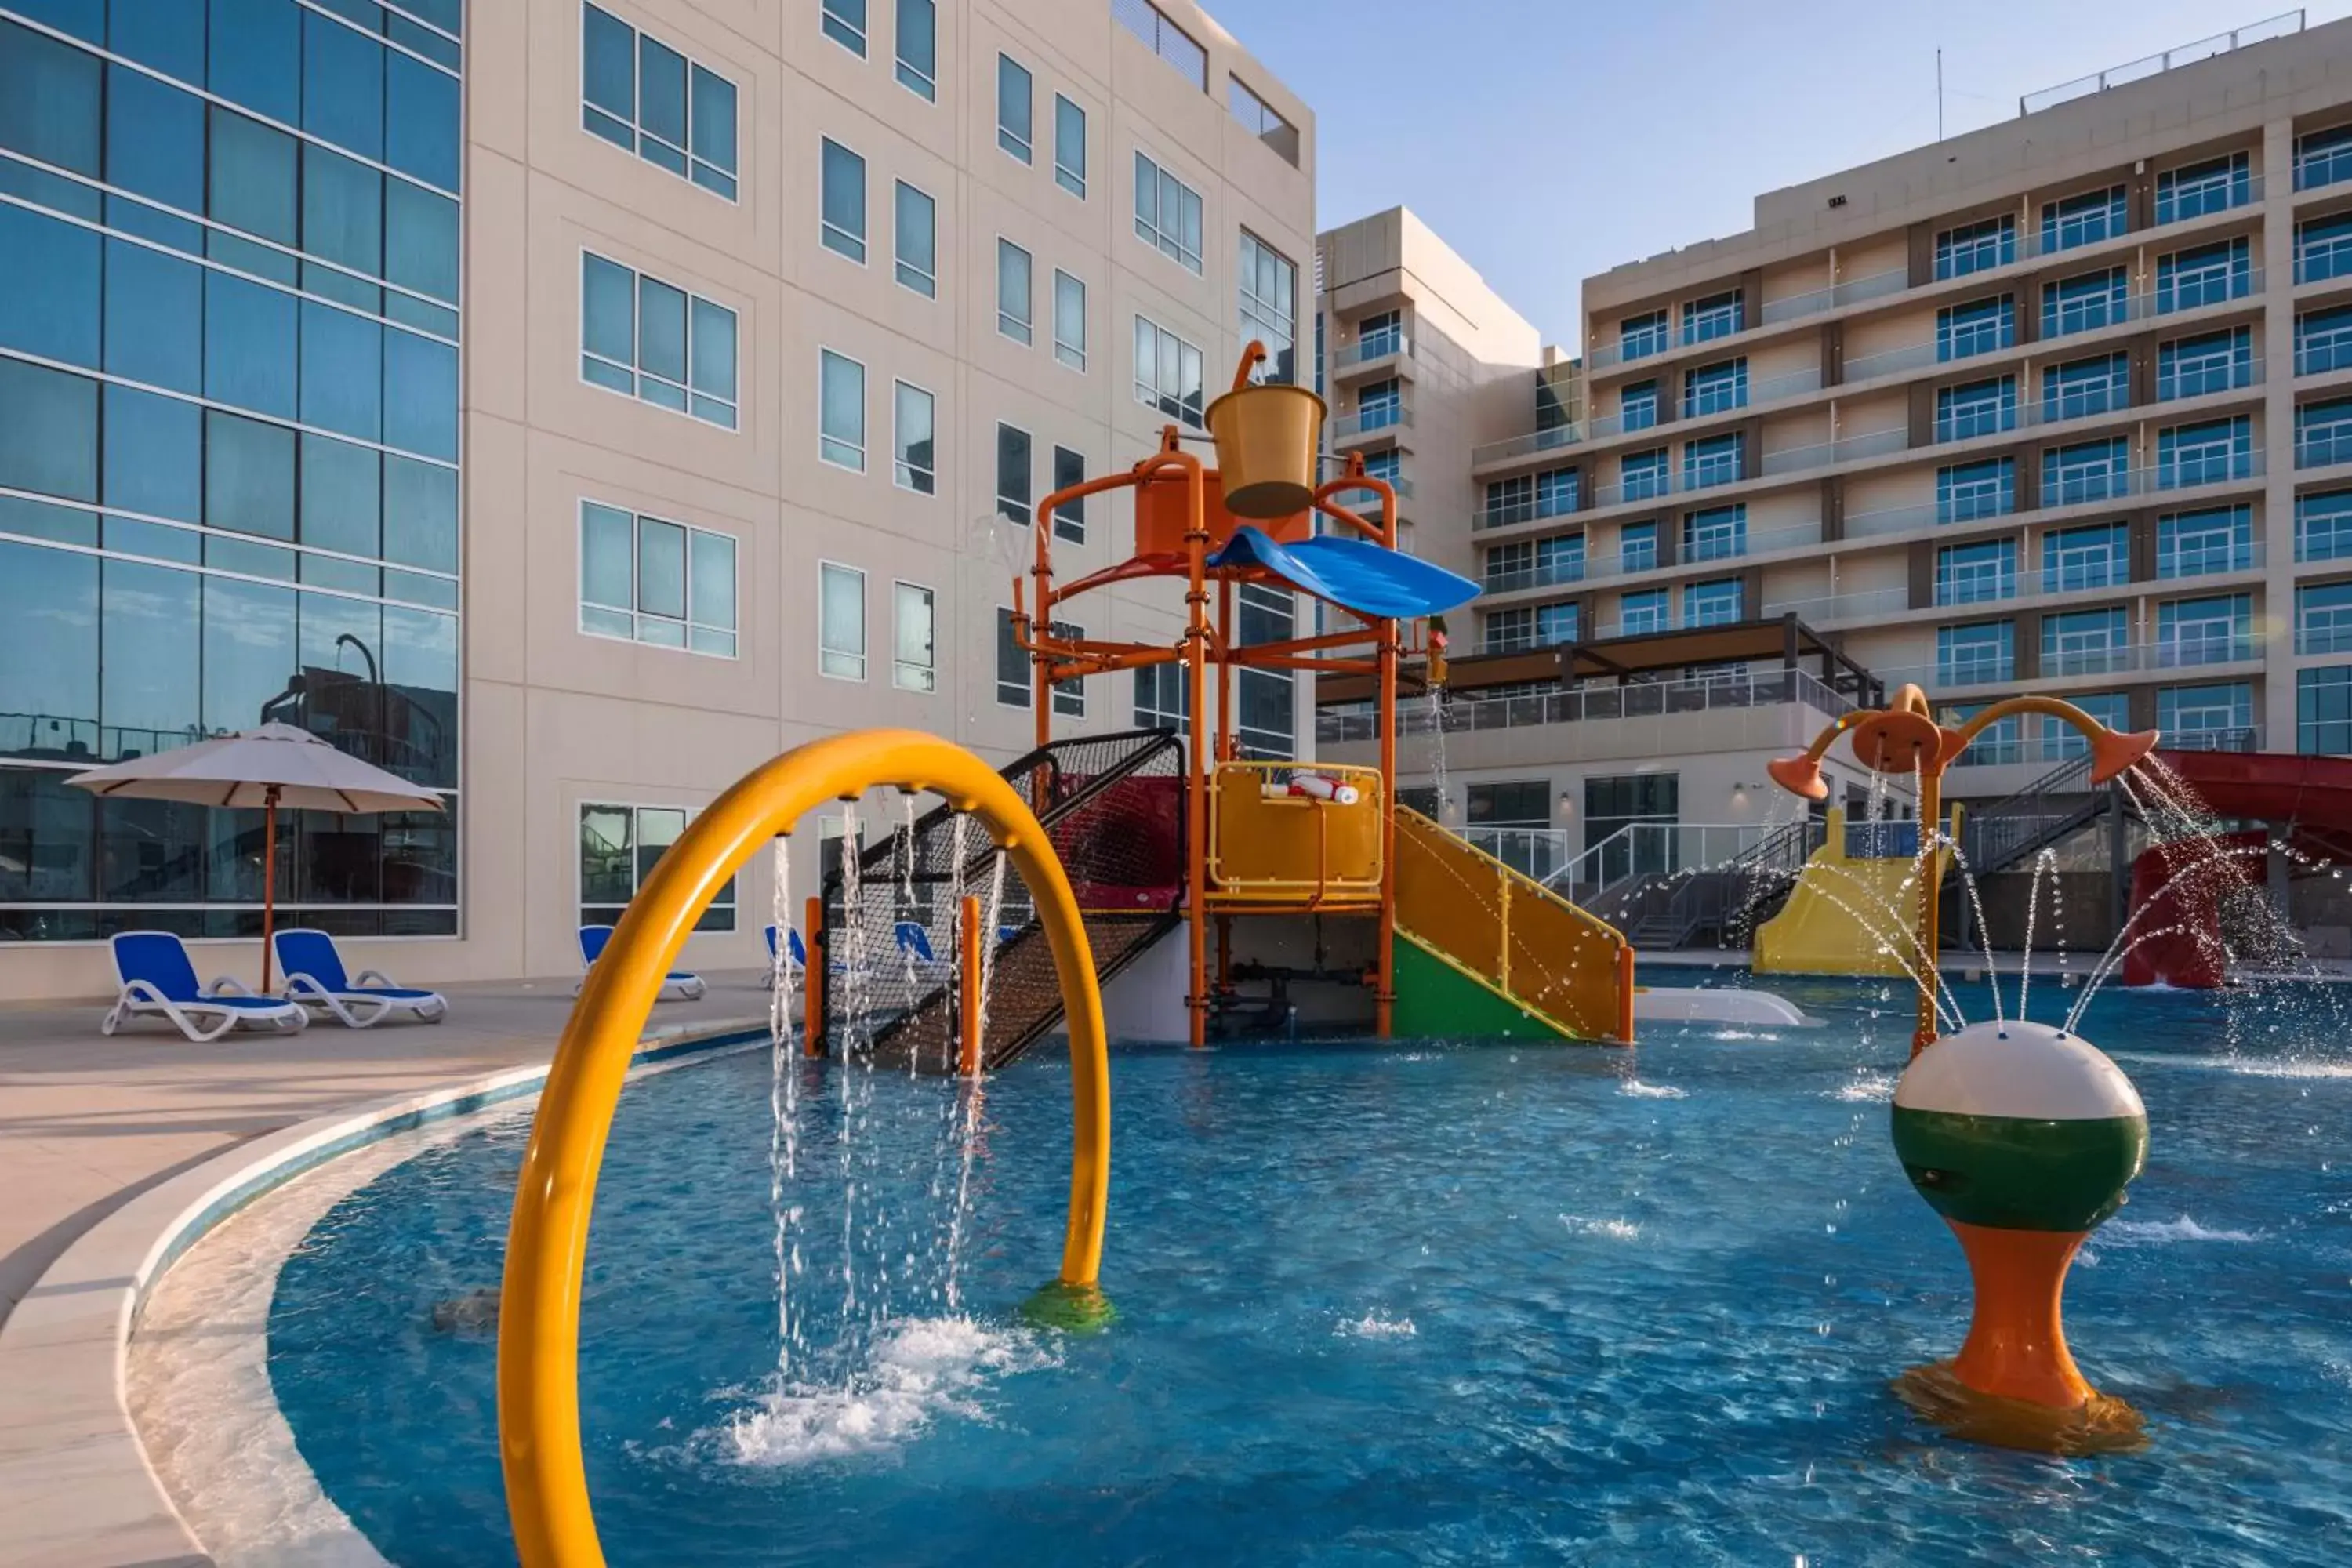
(271, 766)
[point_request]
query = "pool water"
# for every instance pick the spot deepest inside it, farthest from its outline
(1461, 1303)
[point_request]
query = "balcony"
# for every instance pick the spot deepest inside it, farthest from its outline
(1528, 445)
(1581, 704)
(1862, 603)
(2316, 354)
(1366, 424)
(2177, 296)
(2118, 659)
(2322, 446)
(2181, 474)
(2329, 258)
(2055, 743)
(1373, 349)
(2319, 635)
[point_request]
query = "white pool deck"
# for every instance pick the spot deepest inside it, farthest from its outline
(108, 1144)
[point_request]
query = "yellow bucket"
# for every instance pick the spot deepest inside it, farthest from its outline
(1267, 436)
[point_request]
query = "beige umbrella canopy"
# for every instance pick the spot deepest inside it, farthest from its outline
(274, 766)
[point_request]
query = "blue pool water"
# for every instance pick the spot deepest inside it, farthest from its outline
(1468, 1304)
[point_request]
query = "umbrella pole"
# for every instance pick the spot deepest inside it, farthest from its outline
(269, 879)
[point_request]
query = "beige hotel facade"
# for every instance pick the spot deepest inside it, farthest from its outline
(776, 321)
(2062, 405)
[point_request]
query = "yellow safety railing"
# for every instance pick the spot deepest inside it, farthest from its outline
(1292, 849)
(1511, 932)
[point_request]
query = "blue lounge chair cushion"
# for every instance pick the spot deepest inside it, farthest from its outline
(162, 960)
(592, 948)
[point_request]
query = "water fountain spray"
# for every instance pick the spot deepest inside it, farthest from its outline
(2021, 1135)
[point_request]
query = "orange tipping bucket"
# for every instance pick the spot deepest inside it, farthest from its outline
(1267, 436)
(1160, 521)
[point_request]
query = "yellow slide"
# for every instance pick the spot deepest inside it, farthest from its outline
(1851, 914)
(1482, 949)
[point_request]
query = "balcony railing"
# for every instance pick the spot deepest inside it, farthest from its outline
(1528, 445)
(2206, 378)
(2176, 653)
(2055, 743)
(2278, 26)
(1825, 608)
(1370, 347)
(1370, 421)
(2315, 636)
(2318, 352)
(2326, 167)
(2195, 291)
(2181, 474)
(1645, 558)
(1876, 286)
(2329, 258)
(2322, 445)
(1578, 704)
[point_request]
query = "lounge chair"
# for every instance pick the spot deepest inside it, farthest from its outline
(795, 954)
(315, 978)
(683, 985)
(158, 981)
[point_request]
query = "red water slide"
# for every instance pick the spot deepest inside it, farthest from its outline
(2177, 889)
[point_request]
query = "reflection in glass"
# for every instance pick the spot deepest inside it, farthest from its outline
(251, 180)
(48, 287)
(249, 345)
(45, 838)
(420, 514)
(342, 498)
(48, 654)
(153, 454)
(148, 698)
(248, 649)
(49, 431)
(154, 317)
(248, 475)
(420, 677)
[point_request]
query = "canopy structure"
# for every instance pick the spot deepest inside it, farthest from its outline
(274, 766)
(1353, 574)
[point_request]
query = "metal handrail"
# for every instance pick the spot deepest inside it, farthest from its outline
(1579, 704)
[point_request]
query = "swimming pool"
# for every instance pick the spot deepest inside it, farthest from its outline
(1457, 1303)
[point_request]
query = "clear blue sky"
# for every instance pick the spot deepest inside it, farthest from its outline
(1549, 140)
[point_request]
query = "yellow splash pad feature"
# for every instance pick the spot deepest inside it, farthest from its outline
(1848, 915)
(539, 1327)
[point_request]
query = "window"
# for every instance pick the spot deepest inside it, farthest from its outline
(841, 224)
(1982, 327)
(1168, 374)
(1717, 316)
(2203, 454)
(918, 48)
(1556, 624)
(1014, 310)
(1997, 743)
(1972, 654)
(2210, 713)
(1070, 517)
(1556, 492)
(1966, 491)
(2323, 618)
(1260, 119)
(619, 847)
(2204, 631)
(1642, 611)
(841, 411)
(1536, 563)
(1167, 213)
(1637, 406)
(1716, 388)
(1269, 306)
(2208, 363)
(1509, 631)
(1976, 246)
(2086, 386)
(645, 339)
(2085, 472)
(1715, 603)
(1510, 500)
(2323, 710)
(840, 621)
(1164, 39)
(2084, 219)
(1976, 573)
(1642, 475)
(2198, 544)
(2323, 525)
(1013, 495)
(1614, 803)
(1379, 336)
(644, 96)
(916, 240)
(1069, 320)
(1714, 534)
(1976, 408)
(2323, 340)
(1162, 701)
(2200, 189)
(1266, 726)
(1637, 547)
(652, 582)
(913, 667)
(2085, 302)
(844, 22)
(1070, 695)
(2085, 642)
(2323, 433)
(1069, 147)
(1012, 106)
(2097, 555)
(2323, 158)
(914, 465)
(2207, 275)
(1638, 337)
(1012, 663)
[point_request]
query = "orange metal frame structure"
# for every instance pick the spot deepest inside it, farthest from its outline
(1208, 641)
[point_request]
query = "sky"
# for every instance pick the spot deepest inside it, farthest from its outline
(1549, 139)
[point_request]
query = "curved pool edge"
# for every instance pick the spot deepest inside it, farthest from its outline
(77, 1488)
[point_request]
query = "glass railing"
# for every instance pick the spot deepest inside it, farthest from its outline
(1368, 421)
(2328, 167)
(2195, 292)
(2316, 352)
(2188, 472)
(1578, 704)
(2329, 258)
(1533, 442)
(2316, 636)
(2206, 378)
(1827, 607)
(1370, 347)
(1543, 575)
(2322, 445)
(2053, 743)
(1812, 303)
(2178, 652)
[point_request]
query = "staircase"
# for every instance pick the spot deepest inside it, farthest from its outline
(2012, 831)
(1662, 912)
(1112, 805)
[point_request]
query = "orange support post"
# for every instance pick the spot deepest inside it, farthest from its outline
(968, 942)
(1196, 801)
(813, 979)
(1625, 993)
